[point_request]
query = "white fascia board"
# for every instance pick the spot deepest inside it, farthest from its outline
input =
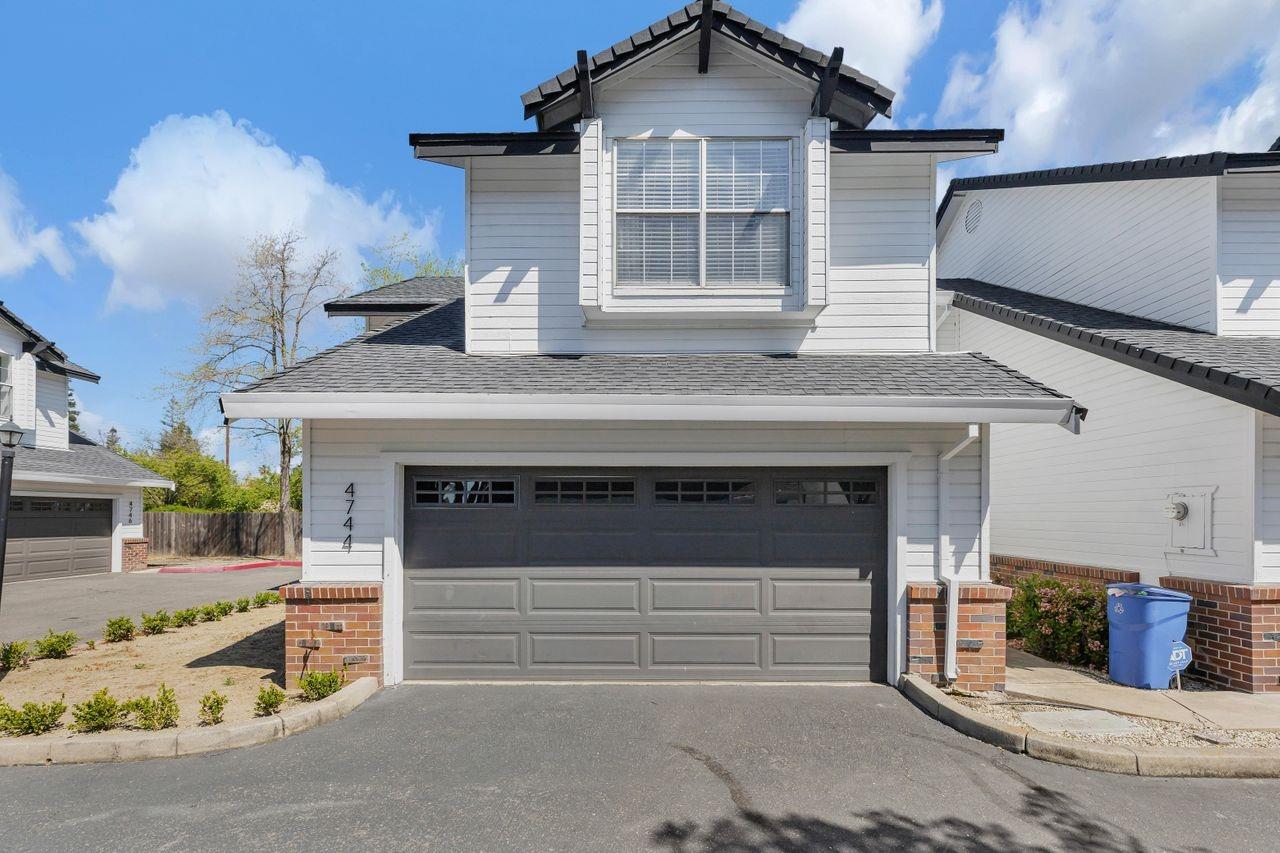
(628, 407)
(89, 480)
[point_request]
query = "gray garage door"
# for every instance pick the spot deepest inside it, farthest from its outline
(52, 537)
(635, 574)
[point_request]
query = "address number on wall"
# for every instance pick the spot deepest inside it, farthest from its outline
(349, 523)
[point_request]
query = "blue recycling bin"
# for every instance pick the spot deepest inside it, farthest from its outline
(1143, 624)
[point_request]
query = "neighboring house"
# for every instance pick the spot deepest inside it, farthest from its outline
(1150, 292)
(76, 507)
(687, 420)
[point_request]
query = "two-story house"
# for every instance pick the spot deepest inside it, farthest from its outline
(1149, 291)
(686, 419)
(76, 507)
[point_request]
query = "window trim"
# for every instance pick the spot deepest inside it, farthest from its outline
(7, 362)
(702, 287)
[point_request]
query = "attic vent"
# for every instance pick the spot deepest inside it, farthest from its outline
(973, 216)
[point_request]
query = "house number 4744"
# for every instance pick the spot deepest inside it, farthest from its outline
(349, 523)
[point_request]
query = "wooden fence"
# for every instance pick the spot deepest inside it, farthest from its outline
(219, 534)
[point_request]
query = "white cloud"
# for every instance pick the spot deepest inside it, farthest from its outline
(881, 38)
(22, 244)
(1077, 81)
(198, 188)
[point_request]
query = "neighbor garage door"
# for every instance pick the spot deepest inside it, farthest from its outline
(52, 537)
(648, 574)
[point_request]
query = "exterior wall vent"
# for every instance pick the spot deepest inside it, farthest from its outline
(973, 216)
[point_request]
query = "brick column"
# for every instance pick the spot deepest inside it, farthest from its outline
(980, 644)
(331, 625)
(1234, 633)
(1006, 570)
(133, 553)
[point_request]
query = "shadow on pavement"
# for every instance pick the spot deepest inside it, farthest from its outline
(262, 648)
(885, 830)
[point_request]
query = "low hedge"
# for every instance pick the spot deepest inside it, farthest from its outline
(1064, 622)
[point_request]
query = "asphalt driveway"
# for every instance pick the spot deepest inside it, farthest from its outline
(84, 604)
(667, 768)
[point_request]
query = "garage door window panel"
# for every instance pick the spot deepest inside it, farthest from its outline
(824, 493)
(717, 492)
(464, 493)
(584, 491)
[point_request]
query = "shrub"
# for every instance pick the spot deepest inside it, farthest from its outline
(269, 700)
(262, 599)
(184, 618)
(156, 713)
(100, 713)
(33, 718)
(1058, 621)
(317, 685)
(90, 644)
(224, 608)
(56, 645)
(155, 623)
(209, 613)
(212, 704)
(243, 604)
(119, 630)
(15, 655)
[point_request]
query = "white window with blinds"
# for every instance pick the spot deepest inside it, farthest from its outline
(702, 213)
(6, 388)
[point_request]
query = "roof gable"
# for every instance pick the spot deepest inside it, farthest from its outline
(853, 99)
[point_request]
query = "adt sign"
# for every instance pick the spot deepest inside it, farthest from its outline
(1180, 657)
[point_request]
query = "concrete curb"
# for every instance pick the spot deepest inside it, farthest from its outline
(237, 567)
(1106, 757)
(138, 746)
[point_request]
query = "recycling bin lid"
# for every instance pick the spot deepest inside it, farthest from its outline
(1144, 590)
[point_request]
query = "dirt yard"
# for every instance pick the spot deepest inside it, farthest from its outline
(234, 656)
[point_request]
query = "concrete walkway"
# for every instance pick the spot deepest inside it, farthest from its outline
(1030, 677)
(84, 604)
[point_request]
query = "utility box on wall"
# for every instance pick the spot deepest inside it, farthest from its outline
(1190, 514)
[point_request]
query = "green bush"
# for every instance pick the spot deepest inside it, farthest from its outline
(210, 613)
(262, 599)
(99, 713)
(119, 630)
(33, 718)
(186, 617)
(317, 685)
(155, 623)
(156, 713)
(1058, 621)
(243, 604)
(269, 700)
(224, 608)
(212, 704)
(15, 655)
(56, 645)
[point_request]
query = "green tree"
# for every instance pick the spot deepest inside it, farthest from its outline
(73, 411)
(402, 258)
(176, 437)
(200, 482)
(112, 440)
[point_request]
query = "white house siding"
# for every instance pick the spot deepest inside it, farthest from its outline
(1096, 498)
(51, 411)
(1249, 254)
(23, 378)
(523, 285)
(1145, 248)
(340, 453)
(1268, 520)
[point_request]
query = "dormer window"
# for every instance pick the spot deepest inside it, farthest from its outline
(6, 388)
(703, 213)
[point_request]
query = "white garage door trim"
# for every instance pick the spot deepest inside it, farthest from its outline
(393, 479)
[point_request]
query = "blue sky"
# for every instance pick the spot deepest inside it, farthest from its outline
(304, 109)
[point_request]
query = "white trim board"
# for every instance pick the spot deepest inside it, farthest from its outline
(393, 476)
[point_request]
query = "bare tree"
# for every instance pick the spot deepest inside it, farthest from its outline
(258, 330)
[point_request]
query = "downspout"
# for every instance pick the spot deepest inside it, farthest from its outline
(948, 573)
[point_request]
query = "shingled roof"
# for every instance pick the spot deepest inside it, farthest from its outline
(1245, 370)
(403, 297)
(425, 354)
(82, 459)
(858, 98)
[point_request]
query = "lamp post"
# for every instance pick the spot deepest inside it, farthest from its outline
(10, 435)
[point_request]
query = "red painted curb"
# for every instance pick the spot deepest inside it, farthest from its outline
(235, 567)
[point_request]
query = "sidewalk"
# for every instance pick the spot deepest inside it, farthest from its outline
(1030, 677)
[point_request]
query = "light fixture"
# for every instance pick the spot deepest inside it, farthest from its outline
(10, 435)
